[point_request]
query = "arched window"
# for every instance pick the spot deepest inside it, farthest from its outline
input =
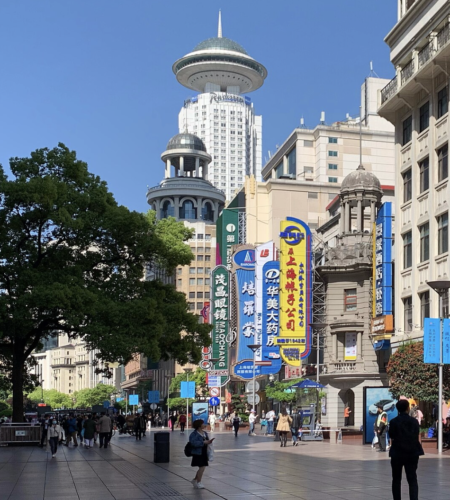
(167, 210)
(188, 211)
(207, 212)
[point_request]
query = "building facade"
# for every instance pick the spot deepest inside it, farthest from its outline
(415, 101)
(220, 71)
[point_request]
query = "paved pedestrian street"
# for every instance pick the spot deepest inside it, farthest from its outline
(244, 468)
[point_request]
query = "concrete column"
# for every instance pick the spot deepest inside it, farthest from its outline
(176, 204)
(372, 212)
(358, 217)
(197, 167)
(359, 346)
(157, 208)
(168, 165)
(205, 171)
(342, 220)
(181, 166)
(199, 207)
(216, 211)
(274, 174)
(347, 216)
(334, 346)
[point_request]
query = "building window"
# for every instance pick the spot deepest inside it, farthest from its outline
(199, 295)
(200, 237)
(191, 306)
(192, 270)
(188, 210)
(199, 257)
(207, 237)
(206, 295)
(179, 282)
(407, 318)
(424, 120)
(279, 170)
(407, 250)
(442, 102)
(332, 179)
(407, 130)
(200, 270)
(192, 295)
(179, 271)
(313, 196)
(424, 175)
(443, 163)
(443, 233)
(191, 281)
(208, 258)
(332, 153)
(332, 140)
(207, 281)
(200, 281)
(332, 166)
(350, 299)
(424, 242)
(407, 185)
(168, 210)
(424, 306)
(292, 162)
(207, 212)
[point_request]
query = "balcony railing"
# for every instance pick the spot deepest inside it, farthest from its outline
(389, 90)
(443, 36)
(425, 54)
(340, 366)
(408, 71)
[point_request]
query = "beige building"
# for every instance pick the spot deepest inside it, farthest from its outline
(415, 101)
(62, 361)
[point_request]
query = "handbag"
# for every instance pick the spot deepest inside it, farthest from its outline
(210, 451)
(188, 449)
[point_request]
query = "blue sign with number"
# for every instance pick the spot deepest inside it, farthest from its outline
(431, 337)
(133, 400)
(153, 397)
(188, 389)
(106, 404)
(214, 402)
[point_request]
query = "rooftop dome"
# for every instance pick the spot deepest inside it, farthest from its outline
(220, 43)
(361, 178)
(186, 141)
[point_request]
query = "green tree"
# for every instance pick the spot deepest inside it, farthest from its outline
(239, 402)
(72, 260)
(278, 391)
(409, 376)
(86, 398)
(51, 397)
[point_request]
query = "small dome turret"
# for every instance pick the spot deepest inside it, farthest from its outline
(186, 141)
(360, 178)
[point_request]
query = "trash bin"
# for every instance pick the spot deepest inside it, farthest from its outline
(162, 447)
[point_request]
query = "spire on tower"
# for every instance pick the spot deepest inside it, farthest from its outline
(219, 28)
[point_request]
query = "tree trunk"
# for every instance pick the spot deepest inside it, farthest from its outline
(17, 383)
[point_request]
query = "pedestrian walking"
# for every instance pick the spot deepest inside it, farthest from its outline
(182, 422)
(235, 423)
(382, 421)
(89, 431)
(199, 440)
(212, 421)
(54, 433)
(251, 421)
(263, 426)
(284, 426)
(173, 420)
(347, 412)
(71, 433)
(104, 429)
(44, 426)
(405, 450)
(143, 424)
(297, 423)
(270, 416)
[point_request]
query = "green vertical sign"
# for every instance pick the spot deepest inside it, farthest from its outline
(227, 235)
(220, 314)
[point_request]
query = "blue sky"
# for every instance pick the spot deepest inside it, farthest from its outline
(97, 74)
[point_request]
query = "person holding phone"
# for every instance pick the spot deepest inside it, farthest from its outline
(199, 441)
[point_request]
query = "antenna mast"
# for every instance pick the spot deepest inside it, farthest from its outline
(219, 27)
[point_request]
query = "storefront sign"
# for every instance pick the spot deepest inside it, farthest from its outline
(294, 340)
(382, 325)
(382, 264)
(432, 342)
(350, 346)
(227, 236)
(220, 316)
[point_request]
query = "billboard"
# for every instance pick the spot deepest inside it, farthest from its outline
(294, 339)
(372, 397)
(200, 412)
(220, 319)
(382, 297)
(227, 236)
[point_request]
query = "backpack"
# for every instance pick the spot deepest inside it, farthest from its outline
(188, 449)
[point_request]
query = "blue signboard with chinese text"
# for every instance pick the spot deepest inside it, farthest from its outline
(383, 261)
(431, 337)
(188, 389)
(133, 400)
(270, 318)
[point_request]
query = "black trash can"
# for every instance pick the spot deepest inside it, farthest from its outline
(162, 447)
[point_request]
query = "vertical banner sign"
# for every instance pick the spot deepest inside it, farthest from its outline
(244, 265)
(446, 342)
(227, 236)
(383, 261)
(431, 347)
(295, 291)
(263, 253)
(350, 346)
(220, 314)
(271, 359)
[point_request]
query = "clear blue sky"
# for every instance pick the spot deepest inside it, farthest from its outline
(97, 74)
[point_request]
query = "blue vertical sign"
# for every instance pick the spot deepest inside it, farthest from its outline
(133, 400)
(431, 347)
(383, 261)
(153, 397)
(271, 358)
(187, 390)
(446, 342)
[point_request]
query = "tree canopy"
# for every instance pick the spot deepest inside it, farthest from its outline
(278, 391)
(72, 260)
(409, 376)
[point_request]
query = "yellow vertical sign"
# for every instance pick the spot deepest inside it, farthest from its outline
(294, 339)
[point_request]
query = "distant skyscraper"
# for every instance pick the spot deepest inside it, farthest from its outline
(222, 71)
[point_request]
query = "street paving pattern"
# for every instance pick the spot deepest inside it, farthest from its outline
(246, 467)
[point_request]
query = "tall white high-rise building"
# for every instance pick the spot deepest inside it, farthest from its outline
(221, 71)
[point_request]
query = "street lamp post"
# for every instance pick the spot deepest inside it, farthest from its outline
(254, 348)
(318, 326)
(187, 371)
(42, 390)
(169, 378)
(441, 287)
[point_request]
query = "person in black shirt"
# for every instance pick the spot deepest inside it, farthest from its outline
(405, 451)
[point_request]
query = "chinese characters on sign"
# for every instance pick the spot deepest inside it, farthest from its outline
(295, 291)
(431, 348)
(350, 346)
(383, 261)
(220, 303)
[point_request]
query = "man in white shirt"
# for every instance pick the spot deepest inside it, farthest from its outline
(270, 416)
(251, 421)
